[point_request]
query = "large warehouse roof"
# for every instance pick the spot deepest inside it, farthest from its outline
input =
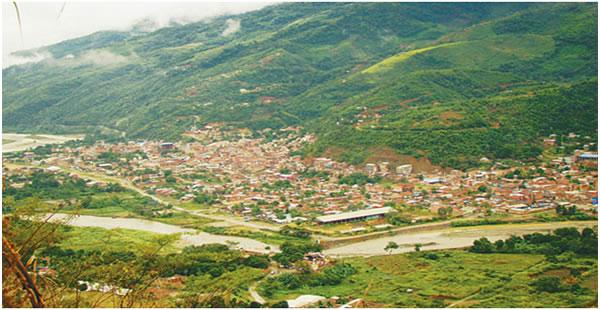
(353, 215)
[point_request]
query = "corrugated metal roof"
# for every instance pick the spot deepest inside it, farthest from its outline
(589, 155)
(354, 214)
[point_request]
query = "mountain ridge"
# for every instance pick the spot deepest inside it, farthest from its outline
(304, 64)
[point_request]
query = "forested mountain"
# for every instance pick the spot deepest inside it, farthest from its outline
(449, 81)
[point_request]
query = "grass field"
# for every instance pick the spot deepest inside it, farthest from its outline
(389, 62)
(107, 240)
(457, 278)
(177, 218)
(263, 236)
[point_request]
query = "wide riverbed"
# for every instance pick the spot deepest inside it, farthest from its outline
(22, 142)
(188, 236)
(448, 238)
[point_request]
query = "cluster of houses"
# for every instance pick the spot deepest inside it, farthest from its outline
(260, 179)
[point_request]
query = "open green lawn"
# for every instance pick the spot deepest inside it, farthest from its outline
(482, 280)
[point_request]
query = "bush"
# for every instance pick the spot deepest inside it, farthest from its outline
(295, 232)
(552, 245)
(482, 245)
(358, 178)
(550, 284)
(333, 275)
(292, 252)
(256, 261)
(280, 304)
(431, 256)
(290, 281)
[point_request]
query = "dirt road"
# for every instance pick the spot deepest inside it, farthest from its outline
(432, 236)
(127, 184)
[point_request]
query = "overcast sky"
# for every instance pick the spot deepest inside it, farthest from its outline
(44, 24)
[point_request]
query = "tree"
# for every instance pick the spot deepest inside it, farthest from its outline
(24, 233)
(482, 245)
(499, 244)
(397, 219)
(431, 256)
(550, 284)
(442, 212)
(257, 261)
(280, 304)
(303, 266)
(292, 252)
(86, 202)
(391, 246)
(445, 212)
(566, 211)
(418, 247)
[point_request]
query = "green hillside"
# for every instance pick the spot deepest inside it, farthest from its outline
(453, 82)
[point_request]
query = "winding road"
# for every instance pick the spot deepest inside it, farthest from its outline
(127, 184)
(432, 236)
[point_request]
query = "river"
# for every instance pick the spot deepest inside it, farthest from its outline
(188, 236)
(448, 238)
(22, 142)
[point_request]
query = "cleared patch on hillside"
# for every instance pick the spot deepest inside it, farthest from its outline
(405, 103)
(391, 61)
(450, 115)
(387, 154)
(333, 152)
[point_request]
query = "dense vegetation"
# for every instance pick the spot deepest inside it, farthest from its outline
(453, 82)
(563, 240)
(294, 252)
(50, 186)
(329, 276)
(215, 275)
(74, 194)
(558, 269)
(358, 178)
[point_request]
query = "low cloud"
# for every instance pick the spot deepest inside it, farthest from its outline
(14, 59)
(144, 25)
(233, 26)
(93, 57)
(101, 58)
(40, 26)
